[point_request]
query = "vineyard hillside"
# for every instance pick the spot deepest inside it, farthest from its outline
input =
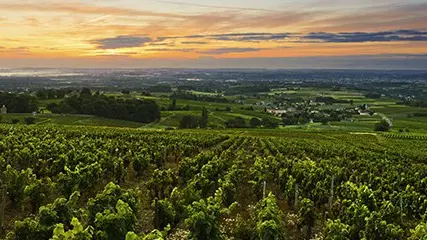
(111, 183)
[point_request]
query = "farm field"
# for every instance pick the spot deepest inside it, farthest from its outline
(69, 120)
(112, 183)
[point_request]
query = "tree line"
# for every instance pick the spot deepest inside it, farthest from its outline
(19, 103)
(109, 107)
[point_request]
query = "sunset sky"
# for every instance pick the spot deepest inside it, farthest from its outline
(221, 33)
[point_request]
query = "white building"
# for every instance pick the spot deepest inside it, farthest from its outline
(3, 110)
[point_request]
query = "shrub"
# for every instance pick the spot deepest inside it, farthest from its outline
(30, 120)
(382, 126)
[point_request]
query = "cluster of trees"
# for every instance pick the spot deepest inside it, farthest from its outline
(16, 120)
(418, 114)
(19, 103)
(52, 93)
(415, 103)
(330, 100)
(240, 122)
(174, 107)
(203, 98)
(191, 121)
(247, 89)
(109, 107)
(375, 95)
(160, 88)
(226, 109)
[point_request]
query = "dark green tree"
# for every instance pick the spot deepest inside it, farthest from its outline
(255, 122)
(86, 92)
(204, 118)
(382, 126)
(189, 121)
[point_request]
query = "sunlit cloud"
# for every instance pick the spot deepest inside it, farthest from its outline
(219, 51)
(79, 8)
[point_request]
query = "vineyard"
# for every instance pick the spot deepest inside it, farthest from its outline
(406, 136)
(108, 183)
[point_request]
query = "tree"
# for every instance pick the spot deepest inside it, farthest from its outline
(19, 103)
(268, 123)
(382, 126)
(189, 121)
(237, 122)
(66, 108)
(204, 118)
(53, 108)
(255, 122)
(86, 92)
(172, 107)
(30, 120)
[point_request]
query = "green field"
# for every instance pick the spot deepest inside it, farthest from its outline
(62, 119)
(400, 115)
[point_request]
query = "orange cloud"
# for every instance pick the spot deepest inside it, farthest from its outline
(81, 29)
(78, 8)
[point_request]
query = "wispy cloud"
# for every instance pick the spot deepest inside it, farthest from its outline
(219, 51)
(130, 41)
(312, 37)
(195, 42)
(389, 36)
(79, 8)
(215, 6)
(385, 17)
(244, 37)
(31, 21)
(170, 50)
(16, 50)
(98, 19)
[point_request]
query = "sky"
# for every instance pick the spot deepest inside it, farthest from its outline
(214, 34)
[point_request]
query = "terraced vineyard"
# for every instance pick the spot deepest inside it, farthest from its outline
(107, 183)
(406, 136)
